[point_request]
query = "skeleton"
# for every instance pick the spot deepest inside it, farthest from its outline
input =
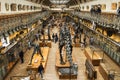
(36, 49)
(65, 40)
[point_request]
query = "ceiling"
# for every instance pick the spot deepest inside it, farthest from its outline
(59, 2)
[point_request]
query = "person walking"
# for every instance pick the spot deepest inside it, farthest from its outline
(41, 70)
(21, 55)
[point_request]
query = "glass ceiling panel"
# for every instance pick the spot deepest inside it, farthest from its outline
(59, 1)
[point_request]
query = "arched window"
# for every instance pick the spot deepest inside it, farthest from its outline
(13, 7)
(87, 7)
(7, 6)
(19, 7)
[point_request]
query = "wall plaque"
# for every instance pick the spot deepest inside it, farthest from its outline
(114, 6)
(103, 6)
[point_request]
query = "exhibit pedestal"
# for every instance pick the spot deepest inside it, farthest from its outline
(37, 59)
(90, 70)
(92, 56)
(44, 37)
(103, 71)
(66, 67)
(72, 76)
(45, 44)
(76, 45)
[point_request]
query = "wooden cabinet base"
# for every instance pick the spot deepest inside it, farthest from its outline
(37, 59)
(76, 45)
(67, 76)
(59, 66)
(103, 71)
(46, 44)
(94, 58)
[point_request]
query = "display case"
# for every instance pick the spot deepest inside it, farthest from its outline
(8, 58)
(90, 70)
(2, 66)
(109, 46)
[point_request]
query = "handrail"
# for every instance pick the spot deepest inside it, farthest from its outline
(108, 13)
(104, 20)
(116, 43)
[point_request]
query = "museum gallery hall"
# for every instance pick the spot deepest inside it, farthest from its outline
(59, 39)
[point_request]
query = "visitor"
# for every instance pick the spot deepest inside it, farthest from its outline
(92, 11)
(53, 36)
(29, 44)
(91, 40)
(118, 11)
(41, 70)
(37, 36)
(56, 37)
(21, 55)
(84, 41)
(99, 9)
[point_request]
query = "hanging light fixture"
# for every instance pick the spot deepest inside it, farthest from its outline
(59, 1)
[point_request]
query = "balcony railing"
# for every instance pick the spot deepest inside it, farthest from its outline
(104, 19)
(20, 20)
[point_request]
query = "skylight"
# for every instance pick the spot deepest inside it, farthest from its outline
(59, 1)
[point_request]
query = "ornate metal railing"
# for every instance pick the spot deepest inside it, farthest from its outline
(104, 19)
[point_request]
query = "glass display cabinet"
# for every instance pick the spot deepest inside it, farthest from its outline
(109, 46)
(8, 59)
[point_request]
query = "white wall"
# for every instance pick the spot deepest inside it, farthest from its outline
(95, 2)
(74, 6)
(22, 2)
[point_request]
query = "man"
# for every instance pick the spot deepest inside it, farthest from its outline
(56, 37)
(91, 40)
(53, 36)
(37, 36)
(41, 70)
(118, 11)
(84, 41)
(29, 44)
(92, 11)
(21, 55)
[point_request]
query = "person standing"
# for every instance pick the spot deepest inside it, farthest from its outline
(118, 11)
(29, 44)
(56, 37)
(92, 11)
(99, 9)
(37, 36)
(53, 36)
(91, 40)
(84, 41)
(41, 70)
(21, 55)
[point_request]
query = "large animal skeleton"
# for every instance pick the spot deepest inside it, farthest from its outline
(65, 40)
(36, 49)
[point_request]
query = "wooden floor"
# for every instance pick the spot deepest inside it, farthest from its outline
(50, 72)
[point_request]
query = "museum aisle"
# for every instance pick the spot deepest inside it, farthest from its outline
(50, 71)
